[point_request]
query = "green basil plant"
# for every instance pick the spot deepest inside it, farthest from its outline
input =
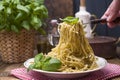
(16, 15)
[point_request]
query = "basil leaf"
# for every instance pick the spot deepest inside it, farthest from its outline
(8, 11)
(44, 11)
(38, 65)
(32, 66)
(14, 28)
(19, 16)
(37, 9)
(34, 20)
(38, 57)
(1, 7)
(22, 8)
(38, 25)
(47, 58)
(40, 1)
(26, 25)
(52, 65)
(7, 1)
(71, 20)
(16, 1)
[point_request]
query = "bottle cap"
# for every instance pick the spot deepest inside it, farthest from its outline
(53, 22)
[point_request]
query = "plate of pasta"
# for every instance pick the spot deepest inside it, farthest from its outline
(101, 62)
(72, 57)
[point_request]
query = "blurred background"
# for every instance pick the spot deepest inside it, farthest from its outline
(60, 9)
(63, 8)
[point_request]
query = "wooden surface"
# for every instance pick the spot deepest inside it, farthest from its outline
(6, 68)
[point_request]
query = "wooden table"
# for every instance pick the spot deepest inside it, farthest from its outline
(6, 68)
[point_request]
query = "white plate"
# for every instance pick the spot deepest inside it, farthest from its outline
(101, 62)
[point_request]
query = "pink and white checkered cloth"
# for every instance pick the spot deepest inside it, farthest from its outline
(108, 72)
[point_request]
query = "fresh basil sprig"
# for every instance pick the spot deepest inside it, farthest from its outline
(46, 63)
(70, 20)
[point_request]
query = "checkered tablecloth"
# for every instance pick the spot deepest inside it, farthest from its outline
(108, 72)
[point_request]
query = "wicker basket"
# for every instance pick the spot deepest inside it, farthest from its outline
(16, 48)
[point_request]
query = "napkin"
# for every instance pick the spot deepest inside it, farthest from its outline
(108, 72)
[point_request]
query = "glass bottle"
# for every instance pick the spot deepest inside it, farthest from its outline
(54, 34)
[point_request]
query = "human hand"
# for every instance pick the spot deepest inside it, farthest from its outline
(112, 13)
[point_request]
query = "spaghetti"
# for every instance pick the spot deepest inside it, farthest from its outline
(73, 49)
